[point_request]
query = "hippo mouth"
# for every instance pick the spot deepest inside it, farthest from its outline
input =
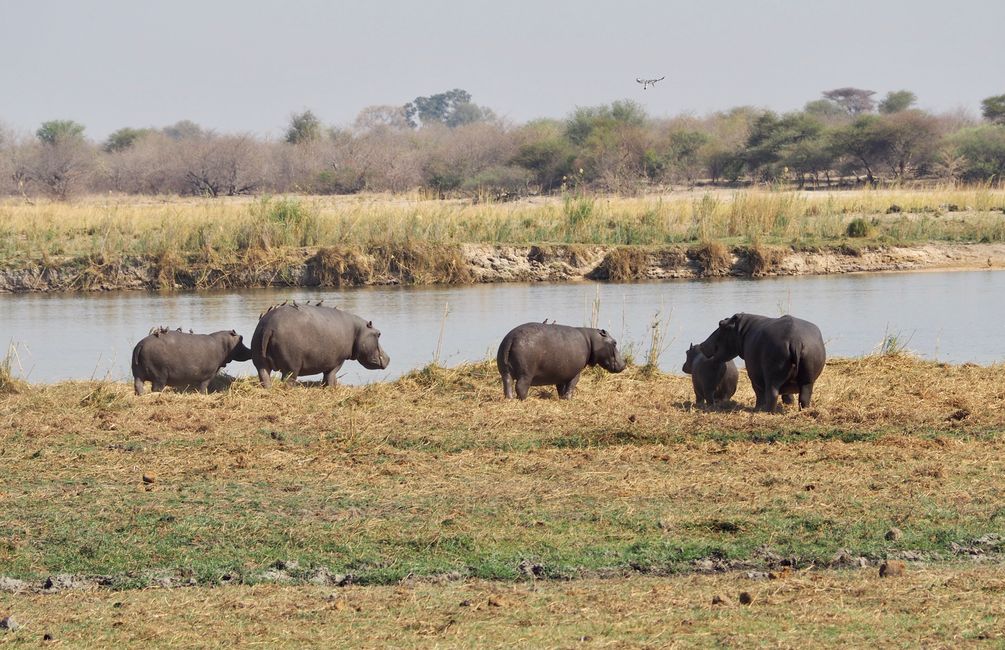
(379, 362)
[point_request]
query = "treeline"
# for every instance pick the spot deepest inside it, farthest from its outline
(448, 145)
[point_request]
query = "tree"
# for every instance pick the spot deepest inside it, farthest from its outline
(62, 160)
(897, 101)
(452, 108)
(863, 143)
(993, 109)
(184, 130)
(123, 139)
(304, 127)
(55, 131)
(827, 110)
(854, 101)
(912, 140)
(545, 153)
(222, 166)
(771, 139)
(377, 117)
(983, 151)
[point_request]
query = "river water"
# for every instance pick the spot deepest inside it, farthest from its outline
(949, 316)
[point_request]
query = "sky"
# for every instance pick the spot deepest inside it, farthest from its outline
(247, 65)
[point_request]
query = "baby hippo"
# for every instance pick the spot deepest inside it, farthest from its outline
(713, 381)
(535, 354)
(175, 358)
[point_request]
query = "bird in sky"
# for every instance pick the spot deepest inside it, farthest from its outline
(649, 82)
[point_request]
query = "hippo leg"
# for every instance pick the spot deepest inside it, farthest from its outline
(566, 390)
(138, 385)
(157, 385)
(331, 377)
(507, 382)
(265, 377)
(770, 399)
(523, 387)
(786, 398)
(805, 394)
(204, 386)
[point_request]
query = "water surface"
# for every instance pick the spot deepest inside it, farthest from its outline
(950, 316)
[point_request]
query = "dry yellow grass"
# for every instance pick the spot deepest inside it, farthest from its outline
(104, 228)
(948, 606)
(433, 483)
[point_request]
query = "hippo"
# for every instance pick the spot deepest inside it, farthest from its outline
(784, 356)
(174, 358)
(536, 354)
(713, 381)
(309, 339)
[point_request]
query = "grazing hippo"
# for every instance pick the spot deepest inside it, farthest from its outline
(536, 354)
(175, 358)
(784, 355)
(309, 339)
(713, 381)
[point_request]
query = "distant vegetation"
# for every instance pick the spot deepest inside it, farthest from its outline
(446, 145)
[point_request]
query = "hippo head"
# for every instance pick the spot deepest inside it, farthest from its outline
(605, 353)
(367, 350)
(237, 350)
(724, 343)
(692, 353)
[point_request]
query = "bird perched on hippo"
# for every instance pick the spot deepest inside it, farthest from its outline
(536, 354)
(784, 356)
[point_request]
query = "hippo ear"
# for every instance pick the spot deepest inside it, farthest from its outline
(233, 332)
(369, 324)
(603, 333)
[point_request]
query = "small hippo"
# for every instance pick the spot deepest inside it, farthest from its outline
(301, 340)
(181, 359)
(535, 354)
(784, 355)
(713, 381)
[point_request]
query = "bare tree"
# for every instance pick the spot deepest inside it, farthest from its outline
(222, 165)
(62, 160)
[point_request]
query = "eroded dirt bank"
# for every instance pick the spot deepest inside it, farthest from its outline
(483, 263)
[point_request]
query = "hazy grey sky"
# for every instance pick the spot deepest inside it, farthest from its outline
(246, 65)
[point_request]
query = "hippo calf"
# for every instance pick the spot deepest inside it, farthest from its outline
(301, 340)
(535, 354)
(783, 355)
(175, 358)
(713, 381)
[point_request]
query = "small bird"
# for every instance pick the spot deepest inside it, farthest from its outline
(649, 82)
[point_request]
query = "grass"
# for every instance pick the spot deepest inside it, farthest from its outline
(946, 606)
(173, 234)
(461, 518)
(435, 474)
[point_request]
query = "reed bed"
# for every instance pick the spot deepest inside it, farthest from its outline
(109, 228)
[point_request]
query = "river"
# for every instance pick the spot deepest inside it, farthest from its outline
(949, 316)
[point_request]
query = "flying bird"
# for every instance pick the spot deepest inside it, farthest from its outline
(649, 82)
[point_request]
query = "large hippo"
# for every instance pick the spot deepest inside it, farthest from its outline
(309, 339)
(535, 354)
(175, 358)
(713, 381)
(783, 355)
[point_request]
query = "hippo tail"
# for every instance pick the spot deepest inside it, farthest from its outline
(136, 359)
(502, 357)
(266, 337)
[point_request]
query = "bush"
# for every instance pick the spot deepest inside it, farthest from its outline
(859, 227)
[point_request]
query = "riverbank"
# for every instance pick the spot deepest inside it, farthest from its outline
(432, 491)
(135, 243)
(410, 264)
